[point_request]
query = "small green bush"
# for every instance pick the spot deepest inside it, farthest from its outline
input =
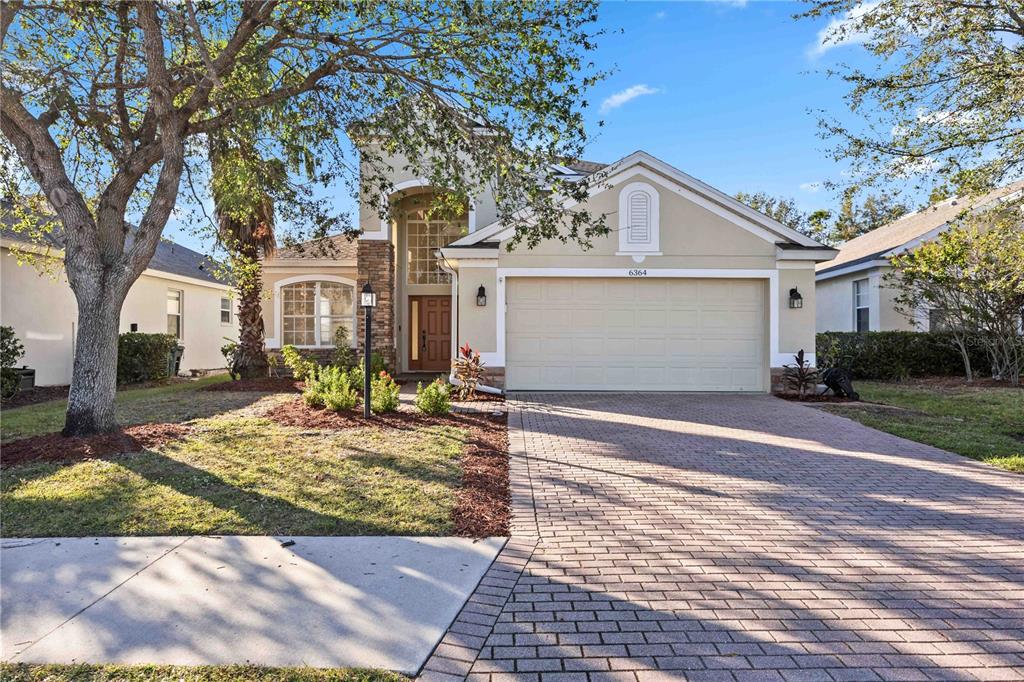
(377, 364)
(383, 394)
(434, 399)
(11, 351)
(897, 354)
(143, 357)
(344, 354)
(330, 387)
(355, 378)
(342, 398)
(301, 366)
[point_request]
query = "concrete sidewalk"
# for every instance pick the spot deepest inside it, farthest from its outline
(380, 602)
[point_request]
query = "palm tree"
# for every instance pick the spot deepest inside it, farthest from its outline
(245, 220)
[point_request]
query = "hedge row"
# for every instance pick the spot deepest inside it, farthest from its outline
(897, 355)
(143, 357)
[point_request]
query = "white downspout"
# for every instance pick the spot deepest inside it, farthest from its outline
(452, 379)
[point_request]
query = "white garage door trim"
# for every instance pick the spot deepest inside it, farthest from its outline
(775, 359)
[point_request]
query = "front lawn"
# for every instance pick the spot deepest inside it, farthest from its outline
(984, 423)
(168, 673)
(237, 469)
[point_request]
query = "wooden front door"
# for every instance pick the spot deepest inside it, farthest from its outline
(430, 333)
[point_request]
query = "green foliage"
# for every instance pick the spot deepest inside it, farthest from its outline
(434, 399)
(383, 394)
(355, 378)
(330, 387)
(344, 354)
(943, 97)
(342, 398)
(974, 275)
(231, 352)
(301, 366)
(468, 369)
(852, 220)
(143, 357)
(895, 354)
(11, 351)
(377, 364)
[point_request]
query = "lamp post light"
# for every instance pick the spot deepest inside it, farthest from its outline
(368, 300)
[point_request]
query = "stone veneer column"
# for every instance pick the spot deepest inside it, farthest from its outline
(376, 265)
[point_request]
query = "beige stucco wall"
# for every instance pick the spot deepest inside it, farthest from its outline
(43, 312)
(835, 303)
(691, 238)
(276, 272)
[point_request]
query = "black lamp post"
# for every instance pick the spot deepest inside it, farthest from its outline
(369, 302)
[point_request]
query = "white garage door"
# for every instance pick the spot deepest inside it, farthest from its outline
(635, 334)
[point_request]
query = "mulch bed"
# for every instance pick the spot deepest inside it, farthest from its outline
(482, 397)
(39, 394)
(53, 447)
(824, 398)
(264, 385)
(482, 509)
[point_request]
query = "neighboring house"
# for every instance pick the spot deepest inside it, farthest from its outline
(689, 292)
(851, 290)
(178, 294)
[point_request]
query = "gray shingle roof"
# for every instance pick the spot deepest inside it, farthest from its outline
(169, 257)
(333, 247)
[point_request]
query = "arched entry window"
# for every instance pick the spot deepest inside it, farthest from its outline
(311, 312)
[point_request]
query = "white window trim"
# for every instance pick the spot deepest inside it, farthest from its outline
(181, 311)
(231, 311)
(275, 341)
(653, 246)
(867, 303)
(775, 358)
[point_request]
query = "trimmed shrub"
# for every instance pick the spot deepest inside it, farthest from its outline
(344, 355)
(383, 394)
(11, 351)
(434, 399)
(143, 357)
(301, 366)
(342, 398)
(896, 354)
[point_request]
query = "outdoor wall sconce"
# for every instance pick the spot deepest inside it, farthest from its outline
(795, 299)
(481, 296)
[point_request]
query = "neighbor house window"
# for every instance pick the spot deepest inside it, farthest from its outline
(312, 312)
(425, 235)
(861, 316)
(225, 311)
(175, 299)
(937, 320)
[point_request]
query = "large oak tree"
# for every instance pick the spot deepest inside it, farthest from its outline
(107, 103)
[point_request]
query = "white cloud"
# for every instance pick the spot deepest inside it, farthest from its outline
(731, 3)
(811, 187)
(843, 31)
(659, 15)
(623, 96)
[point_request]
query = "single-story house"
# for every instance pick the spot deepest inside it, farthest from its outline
(691, 290)
(851, 290)
(179, 293)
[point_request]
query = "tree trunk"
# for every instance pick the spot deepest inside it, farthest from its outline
(94, 377)
(251, 331)
(961, 345)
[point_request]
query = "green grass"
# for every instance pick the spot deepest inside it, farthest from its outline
(982, 423)
(247, 476)
(165, 673)
(134, 406)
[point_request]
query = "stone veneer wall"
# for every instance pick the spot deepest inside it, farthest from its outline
(376, 265)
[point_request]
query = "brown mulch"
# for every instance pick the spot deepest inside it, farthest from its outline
(53, 447)
(482, 509)
(482, 397)
(264, 385)
(39, 394)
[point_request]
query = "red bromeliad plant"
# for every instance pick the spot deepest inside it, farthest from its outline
(468, 369)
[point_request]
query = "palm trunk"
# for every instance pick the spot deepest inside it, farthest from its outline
(251, 331)
(94, 376)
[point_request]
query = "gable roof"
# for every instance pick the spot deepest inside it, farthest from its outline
(717, 201)
(332, 247)
(169, 257)
(907, 230)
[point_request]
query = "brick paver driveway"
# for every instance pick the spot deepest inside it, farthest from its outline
(729, 537)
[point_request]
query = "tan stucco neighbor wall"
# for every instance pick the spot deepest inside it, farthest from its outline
(43, 312)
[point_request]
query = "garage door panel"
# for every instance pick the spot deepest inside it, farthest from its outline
(623, 334)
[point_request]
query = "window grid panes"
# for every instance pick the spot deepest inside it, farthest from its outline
(174, 301)
(225, 311)
(311, 312)
(424, 237)
(861, 315)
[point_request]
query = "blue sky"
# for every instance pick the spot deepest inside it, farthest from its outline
(721, 90)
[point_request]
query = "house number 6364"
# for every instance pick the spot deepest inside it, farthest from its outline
(637, 272)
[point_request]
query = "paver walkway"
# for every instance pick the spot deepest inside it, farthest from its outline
(730, 537)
